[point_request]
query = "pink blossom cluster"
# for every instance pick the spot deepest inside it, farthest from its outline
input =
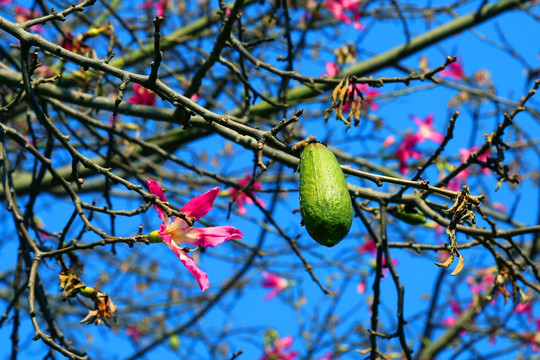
(241, 198)
(160, 6)
(407, 148)
(340, 8)
(23, 14)
(461, 178)
(369, 247)
(280, 350)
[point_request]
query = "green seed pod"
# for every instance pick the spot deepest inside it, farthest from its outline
(325, 203)
(409, 215)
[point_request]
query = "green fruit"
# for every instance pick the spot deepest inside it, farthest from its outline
(325, 203)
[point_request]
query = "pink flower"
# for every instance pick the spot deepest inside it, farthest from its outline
(242, 198)
(482, 281)
(338, 8)
(533, 339)
(388, 141)
(461, 178)
(451, 320)
(454, 71)
(454, 184)
(526, 309)
(368, 95)
(331, 69)
(464, 155)
(327, 356)
(274, 282)
(23, 14)
(425, 129)
(178, 231)
(160, 6)
(142, 96)
(134, 333)
(361, 287)
(67, 41)
(455, 307)
(406, 150)
(280, 350)
(5, 2)
(499, 206)
(368, 247)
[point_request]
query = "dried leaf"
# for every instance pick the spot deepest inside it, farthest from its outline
(105, 309)
(504, 292)
(446, 262)
(423, 64)
(363, 352)
(459, 266)
(70, 284)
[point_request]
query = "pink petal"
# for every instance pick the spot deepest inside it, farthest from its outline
(261, 202)
(244, 181)
(213, 236)
(361, 288)
(142, 96)
(343, 17)
(285, 342)
(270, 280)
(417, 120)
(449, 321)
(455, 307)
(156, 190)
(275, 282)
(465, 153)
(200, 205)
(454, 70)
(200, 276)
(272, 294)
(356, 21)
(403, 167)
(331, 68)
(499, 206)
(327, 356)
(241, 208)
(389, 141)
(436, 137)
(429, 120)
(361, 87)
(247, 199)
